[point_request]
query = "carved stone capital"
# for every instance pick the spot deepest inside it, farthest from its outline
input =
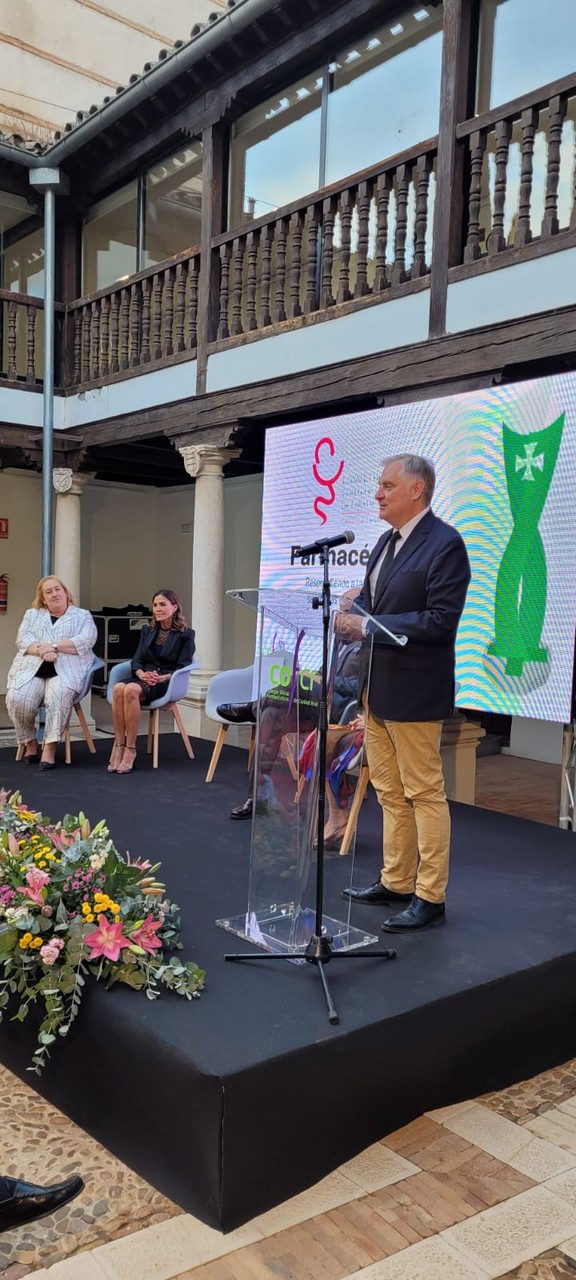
(206, 460)
(66, 481)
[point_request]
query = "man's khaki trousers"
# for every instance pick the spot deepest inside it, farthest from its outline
(406, 773)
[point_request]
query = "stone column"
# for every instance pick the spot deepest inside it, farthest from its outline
(67, 537)
(205, 463)
(69, 487)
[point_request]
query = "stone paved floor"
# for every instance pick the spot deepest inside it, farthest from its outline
(480, 1190)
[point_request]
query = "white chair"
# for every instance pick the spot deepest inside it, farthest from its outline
(237, 687)
(177, 688)
(96, 665)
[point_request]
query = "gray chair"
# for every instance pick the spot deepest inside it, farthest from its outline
(96, 665)
(177, 688)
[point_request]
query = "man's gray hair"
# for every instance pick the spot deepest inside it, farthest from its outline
(417, 466)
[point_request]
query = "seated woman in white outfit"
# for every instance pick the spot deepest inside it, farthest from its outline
(54, 652)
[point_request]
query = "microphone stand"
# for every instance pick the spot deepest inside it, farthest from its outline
(319, 951)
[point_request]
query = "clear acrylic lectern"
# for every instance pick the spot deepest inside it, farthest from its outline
(280, 915)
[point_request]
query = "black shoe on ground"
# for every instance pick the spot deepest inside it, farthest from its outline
(243, 810)
(376, 894)
(237, 712)
(419, 915)
(31, 759)
(28, 1202)
(45, 765)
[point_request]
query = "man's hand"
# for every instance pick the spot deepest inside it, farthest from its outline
(348, 626)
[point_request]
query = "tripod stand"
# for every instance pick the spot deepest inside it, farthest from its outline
(319, 950)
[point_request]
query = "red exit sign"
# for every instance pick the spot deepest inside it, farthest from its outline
(3, 527)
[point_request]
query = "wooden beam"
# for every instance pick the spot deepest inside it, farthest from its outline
(214, 168)
(448, 208)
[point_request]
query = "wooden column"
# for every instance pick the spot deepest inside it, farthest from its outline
(214, 174)
(455, 90)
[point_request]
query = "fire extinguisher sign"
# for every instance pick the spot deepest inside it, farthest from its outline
(3, 527)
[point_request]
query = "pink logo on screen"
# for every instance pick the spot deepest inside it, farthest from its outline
(323, 454)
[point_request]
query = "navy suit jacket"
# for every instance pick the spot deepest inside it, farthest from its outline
(422, 598)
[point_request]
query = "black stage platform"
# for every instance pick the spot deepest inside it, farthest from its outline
(233, 1103)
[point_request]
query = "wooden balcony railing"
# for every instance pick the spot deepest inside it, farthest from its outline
(521, 184)
(359, 238)
(21, 337)
(151, 318)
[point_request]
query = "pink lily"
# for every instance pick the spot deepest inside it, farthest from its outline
(145, 935)
(107, 940)
(34, 886)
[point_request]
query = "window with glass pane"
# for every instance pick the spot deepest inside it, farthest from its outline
(385, 92)
(173, 208)
(523, 45)
(275, 154)
(110, 240)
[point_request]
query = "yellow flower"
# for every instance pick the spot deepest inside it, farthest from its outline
(25, 940)
(115, 908)
(89, 918)
(85, 908)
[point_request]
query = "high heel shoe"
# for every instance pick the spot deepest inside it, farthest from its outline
(126, 766)
(115, 757)
(28, 759)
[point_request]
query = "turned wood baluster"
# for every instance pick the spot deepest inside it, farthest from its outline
(124, 328)
(252, 255)
(157, 317)
(346, 213)
(193, 276)
(312, 243)
(265, 275)
(238, 247)
(181, 277)
(557, 109)
(225, 254)
(361, 288)
(477, 148)
(419, 266)
(114, 331)
(497, 238)
(135, 308)
(383, 189)
(403, 178)
(328, 219)
(281, 231)
(86, 342)
(145, 340)
(529, 125)
(77, 347)
(12, 370)
(105, 338)
(168, 311)
(296, 233)
(30, 344)
(95, 340)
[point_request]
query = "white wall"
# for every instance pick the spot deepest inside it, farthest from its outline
(20, 554)
(135, 539)
(243, 527)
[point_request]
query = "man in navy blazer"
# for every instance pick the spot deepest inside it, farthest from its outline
(416, 583)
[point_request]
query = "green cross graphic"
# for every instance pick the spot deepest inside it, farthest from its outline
(529, 461)
(521, 584)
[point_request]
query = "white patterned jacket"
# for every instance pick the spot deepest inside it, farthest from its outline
(76, 624)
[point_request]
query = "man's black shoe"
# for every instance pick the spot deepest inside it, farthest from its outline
(27, 1202)
(243, 810)
(237, 712)
(376, 894)
(419, 915)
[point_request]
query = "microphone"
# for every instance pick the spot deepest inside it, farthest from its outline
(324, 544)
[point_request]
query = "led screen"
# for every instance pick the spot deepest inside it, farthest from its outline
(504, 462)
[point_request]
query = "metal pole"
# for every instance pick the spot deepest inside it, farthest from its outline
(48, 389)
(50, 181)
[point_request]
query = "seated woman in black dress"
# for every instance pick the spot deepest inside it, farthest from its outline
(164, 647)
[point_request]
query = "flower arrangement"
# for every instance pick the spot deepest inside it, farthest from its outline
(70, 906)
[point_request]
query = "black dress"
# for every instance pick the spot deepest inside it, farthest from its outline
(163, 652)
